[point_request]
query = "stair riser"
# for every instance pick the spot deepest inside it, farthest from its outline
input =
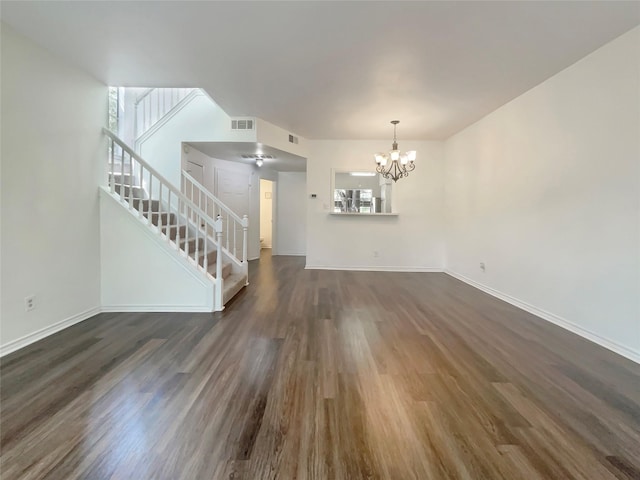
(167, 218)
(135, 192)
(173, 232)
(192, 247)
(226, 270)
(144, 205)
(232, 287)
(121, 179)
(212, 257)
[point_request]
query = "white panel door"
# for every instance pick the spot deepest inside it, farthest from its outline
(232, 188)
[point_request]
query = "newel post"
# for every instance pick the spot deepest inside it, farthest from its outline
(245, 263)
(218, 226)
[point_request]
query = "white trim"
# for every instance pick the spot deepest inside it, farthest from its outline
(47, 331)
(156, 308)
(553, 318)
(375, 268)
(360, 214)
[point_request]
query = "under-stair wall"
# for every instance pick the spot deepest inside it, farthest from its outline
(140, 272)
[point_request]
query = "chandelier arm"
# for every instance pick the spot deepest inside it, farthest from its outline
(397, 172)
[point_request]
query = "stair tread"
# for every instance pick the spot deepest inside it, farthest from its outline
(236, 276)
(226, 270)
(232, 285)
(211, 267)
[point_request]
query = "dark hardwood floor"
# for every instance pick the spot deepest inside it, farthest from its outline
(322, 375)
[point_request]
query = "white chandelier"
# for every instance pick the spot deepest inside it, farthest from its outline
(401, 163)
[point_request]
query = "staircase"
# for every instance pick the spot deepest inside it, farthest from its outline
(173, 217)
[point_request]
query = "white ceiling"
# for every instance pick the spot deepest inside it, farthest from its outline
(233, 151)
(331, 69)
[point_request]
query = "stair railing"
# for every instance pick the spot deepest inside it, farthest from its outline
(154, 104)
(141, 186)
(235, 228)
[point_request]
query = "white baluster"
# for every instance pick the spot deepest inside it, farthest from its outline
(206, 254)
(130, 182)
(179, 217)
(168, 215)
(160, 207)
(186, 231)
(140, 204)
(122, 197)
(191, 190)
(218, 229)
(149, 209)
(112, 178)
(196, 249)
(235, 229)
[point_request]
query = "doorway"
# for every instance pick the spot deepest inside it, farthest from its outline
(266, 214)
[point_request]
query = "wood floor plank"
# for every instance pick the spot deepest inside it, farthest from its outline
(322, 375)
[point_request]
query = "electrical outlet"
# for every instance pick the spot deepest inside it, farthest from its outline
(482, 266)
(29, 303)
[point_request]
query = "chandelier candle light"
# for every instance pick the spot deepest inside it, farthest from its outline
(401, 163)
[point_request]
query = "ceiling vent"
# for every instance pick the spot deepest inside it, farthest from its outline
(293, 139)
(242, 124)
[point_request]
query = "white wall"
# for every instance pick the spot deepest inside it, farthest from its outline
(254, 173)
(545, 191)
(411, 241)
(140, 272)
(266, 212)
(53, 153)
(291, 229)
(274, 136)
(202, 120)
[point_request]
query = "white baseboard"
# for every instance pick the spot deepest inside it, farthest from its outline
(553, 318)
(156, 308)
(22, 342)
(374, 268)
